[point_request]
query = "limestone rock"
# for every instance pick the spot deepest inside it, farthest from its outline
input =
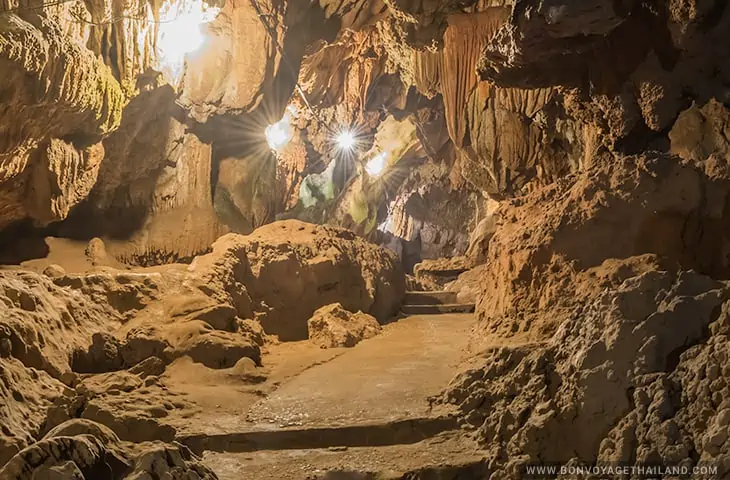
(430, 217)
(482, 234)
(622, 380)
(700, 132)
(286, 270)
(435, 274)
(42, 66)
(333, 326)
(468, 285)
(153, 187)
(84, 449)
(575, 235)
(244, 57)
(54, 271)
(61, 178)
(41, 325)
(96, 252)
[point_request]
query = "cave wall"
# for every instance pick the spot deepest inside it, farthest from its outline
(498, 98)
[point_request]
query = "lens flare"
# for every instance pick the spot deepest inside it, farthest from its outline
(180, 33)
(376, 165)
(346, 140)
(279, 134)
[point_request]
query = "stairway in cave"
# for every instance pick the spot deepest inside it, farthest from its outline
(433, 302)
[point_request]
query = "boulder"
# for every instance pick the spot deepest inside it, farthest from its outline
(437, 273)
(333, 326)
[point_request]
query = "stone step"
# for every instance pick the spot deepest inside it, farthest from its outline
(430, 298)
(437, 309)
(448, 456)
(398, 432)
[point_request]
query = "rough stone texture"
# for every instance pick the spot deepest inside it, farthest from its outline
(84, 449)
(38, 315)
(700, 132)
(289, 269)
(430, 217)
(468, 285)
(92, 345)
(242, 54)
(60, 179)
(631, 376)
(54, 89)
(620, 74)
(40, 326)
(482, 235)
(46, 329)
(563, 238)
(435, 274)
(333, 326)
(153, 188)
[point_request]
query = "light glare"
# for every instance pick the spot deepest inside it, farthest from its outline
(346, 140)
(279, 134)
(376, 165)
(180, 33)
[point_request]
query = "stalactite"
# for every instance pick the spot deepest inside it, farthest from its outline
(464, 39)
(427, 72)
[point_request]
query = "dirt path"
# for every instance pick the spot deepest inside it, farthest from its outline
(384, 379)
(369, 402)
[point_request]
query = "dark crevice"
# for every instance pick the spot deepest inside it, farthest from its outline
(674, 357)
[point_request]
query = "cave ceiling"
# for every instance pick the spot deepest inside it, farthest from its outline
(144, 121)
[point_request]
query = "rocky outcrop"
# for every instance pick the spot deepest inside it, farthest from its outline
(632, 376)
(242, 54)
(93, 345)
(285, 271)
(153, 188)
(41, 325)
(54, 89)
(84, 449)
(332, 326)
(602, 321)
(618, 75)
(701, 132)
(558, 244)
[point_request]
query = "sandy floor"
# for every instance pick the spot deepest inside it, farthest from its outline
(295, 414)
(384, 379)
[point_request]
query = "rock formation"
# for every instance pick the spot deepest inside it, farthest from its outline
(567, 236)
(125, 327)
(333, 326)
(561, 164)
(627, 378)
(84, 449)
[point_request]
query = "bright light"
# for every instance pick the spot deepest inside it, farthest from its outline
(346, 140)
(279, 134)
(376, 165)
(180, 33)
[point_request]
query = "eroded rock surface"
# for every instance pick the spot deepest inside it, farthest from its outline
(632, 376)
(333, 326)
(573, 237)
(84, 449)
(93, 345)
(291, 268)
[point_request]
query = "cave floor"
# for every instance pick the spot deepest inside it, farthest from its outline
(364, 408)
